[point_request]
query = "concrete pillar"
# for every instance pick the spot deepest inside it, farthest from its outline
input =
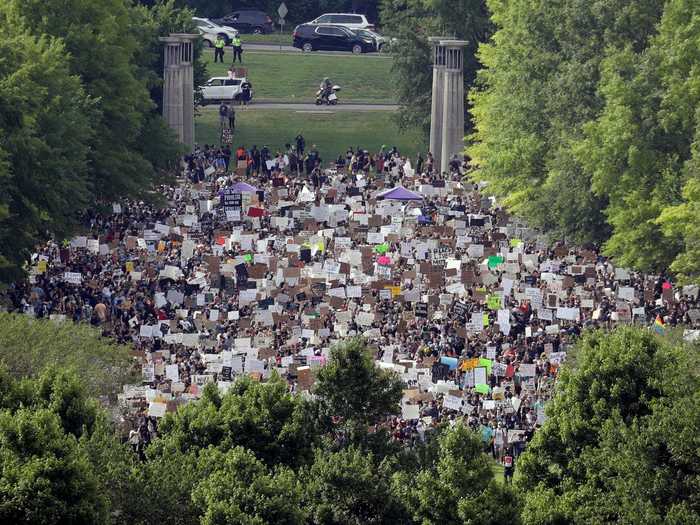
(172, 86)
(437, 99)
(187, 86)
(453, 102)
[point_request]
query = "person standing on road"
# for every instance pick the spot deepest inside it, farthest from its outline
(237, 49)
(246, 86)
(219, 49)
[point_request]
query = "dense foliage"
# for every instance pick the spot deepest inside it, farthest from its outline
(45, 474)
(621, 440)
(79, 113)
(619, 445)
(586, 123)
(411, 22)
(30, 346)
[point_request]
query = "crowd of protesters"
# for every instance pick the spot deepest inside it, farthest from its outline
(260, 260)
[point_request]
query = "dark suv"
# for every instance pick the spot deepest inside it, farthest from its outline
(248, 21)
(308, 37)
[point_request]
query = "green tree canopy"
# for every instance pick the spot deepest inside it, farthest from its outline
(412, 22)
(80, 95)
(45, 473)
(538, 89)
(620, 440)
(352, 388)
(459, 487)
(350, 487)
(44, 477)
(586, 124)
(45, 133)
(262, 417)
(240, 490)
(30, 346)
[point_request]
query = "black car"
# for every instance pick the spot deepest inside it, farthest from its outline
(248, 21)
(308, 37)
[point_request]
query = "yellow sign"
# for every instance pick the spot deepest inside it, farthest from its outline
(469, 364)
(129, 266)
(395, 290)
(41, 266)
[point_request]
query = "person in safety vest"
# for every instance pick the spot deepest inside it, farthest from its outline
(237, 49)
(219, 49)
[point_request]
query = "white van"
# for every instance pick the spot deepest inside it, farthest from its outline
(349, 20)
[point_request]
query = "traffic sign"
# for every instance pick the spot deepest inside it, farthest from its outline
(282, 10)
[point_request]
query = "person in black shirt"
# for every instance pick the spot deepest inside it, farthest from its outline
(255, 155)
(301, 144)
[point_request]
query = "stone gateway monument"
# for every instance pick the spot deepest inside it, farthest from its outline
(447, 110)
(178, 88)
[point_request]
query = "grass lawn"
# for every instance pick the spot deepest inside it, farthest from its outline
(284, 38)
(287, 77)
(332, 133)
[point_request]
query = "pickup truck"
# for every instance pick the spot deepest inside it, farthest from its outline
(222, 89)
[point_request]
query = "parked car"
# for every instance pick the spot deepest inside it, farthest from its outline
(222, 89)
(308, 37)
(248, 21)
(209, 31)
(349, 20)
(383, 43)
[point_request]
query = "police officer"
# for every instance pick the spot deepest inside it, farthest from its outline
(219, 49)
(237, 49)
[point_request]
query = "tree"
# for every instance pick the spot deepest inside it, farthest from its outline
(44, 477)
(352, 388)
(45, 134)
(412, 22)
(77, 121)
(240, 490)
(350, 487)
(641, 150)
(460, 487)
(103, 42)
(536, 94)
(45, 474)
(31, 346)
(617, 445)
(163, 18)
(265, 418)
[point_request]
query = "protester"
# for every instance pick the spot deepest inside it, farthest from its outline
(255, 267)
(231, 118)
(223, 115)
(246, 92)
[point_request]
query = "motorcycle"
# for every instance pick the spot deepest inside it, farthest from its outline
(331, 99)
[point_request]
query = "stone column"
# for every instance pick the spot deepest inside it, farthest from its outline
(186, 59)
(437, 99)
(453, 102)
(172, 86)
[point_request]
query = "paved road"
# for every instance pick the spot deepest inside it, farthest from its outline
(313, 107)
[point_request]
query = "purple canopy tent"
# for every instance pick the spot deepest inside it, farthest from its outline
(242, 187)
(400, 194)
